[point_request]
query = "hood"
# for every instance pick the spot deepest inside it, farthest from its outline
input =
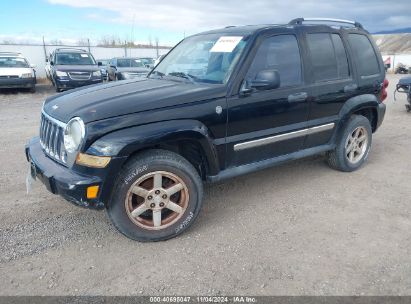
(15, 71)
(126, 97)
(77, 68)
(138, 70)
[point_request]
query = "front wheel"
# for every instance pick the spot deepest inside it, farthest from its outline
(352, 146)
(157, 196)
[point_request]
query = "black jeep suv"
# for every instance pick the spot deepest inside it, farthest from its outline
(220, 104)
(73, 68)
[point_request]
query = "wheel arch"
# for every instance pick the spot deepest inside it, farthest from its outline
(365, 105)
(188, 138)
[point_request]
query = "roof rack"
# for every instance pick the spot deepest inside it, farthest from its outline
(299, 21)
(71, 49)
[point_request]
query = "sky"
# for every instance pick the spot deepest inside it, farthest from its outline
(171, 20)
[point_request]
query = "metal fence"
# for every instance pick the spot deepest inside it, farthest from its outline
(35, 54)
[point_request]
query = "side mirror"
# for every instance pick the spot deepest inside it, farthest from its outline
(99, 63)
(266, 80)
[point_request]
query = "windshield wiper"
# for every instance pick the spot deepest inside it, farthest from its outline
(157, 73)
(183, 75)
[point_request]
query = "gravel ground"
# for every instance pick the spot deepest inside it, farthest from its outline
(300, 228)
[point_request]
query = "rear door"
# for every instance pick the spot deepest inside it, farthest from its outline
(332, 82)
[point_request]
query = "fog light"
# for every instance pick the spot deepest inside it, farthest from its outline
(92, 160)
(92, 191)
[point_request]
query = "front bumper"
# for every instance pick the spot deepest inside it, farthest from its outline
(11, 83)
(67, 83)
(61, 180)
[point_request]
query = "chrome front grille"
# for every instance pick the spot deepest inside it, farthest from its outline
(79, 75)
(52, 138)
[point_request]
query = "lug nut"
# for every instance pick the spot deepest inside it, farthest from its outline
(152, 205)
(161, 204)
(157, 192)
(150, 197)
(164, 196)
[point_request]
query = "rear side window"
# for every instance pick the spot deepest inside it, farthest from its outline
(279, 53)
(363, 51)
(328, 56)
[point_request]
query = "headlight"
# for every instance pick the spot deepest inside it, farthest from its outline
(26, 75)
(61, 74)
(74, 134)
(97, 73)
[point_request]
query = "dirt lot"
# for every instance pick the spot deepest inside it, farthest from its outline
(300, 228)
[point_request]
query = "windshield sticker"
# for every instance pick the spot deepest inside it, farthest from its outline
(84, 55)
(226, 44)
(19, 59)
(137, 60)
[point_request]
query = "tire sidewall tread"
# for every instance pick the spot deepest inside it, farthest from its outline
(337, 158)
(141, 164)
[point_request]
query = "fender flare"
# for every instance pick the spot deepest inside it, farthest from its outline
(355, 104)
(124, 142)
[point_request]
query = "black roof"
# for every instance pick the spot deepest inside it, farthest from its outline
(318, 22)
(243, 29)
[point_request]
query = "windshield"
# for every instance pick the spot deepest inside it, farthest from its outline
(129, 63)
(74, 59)
(207, 58)
(13, 62)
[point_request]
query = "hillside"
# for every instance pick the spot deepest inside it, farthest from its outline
(393, 43)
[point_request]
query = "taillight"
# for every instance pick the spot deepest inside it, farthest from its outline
(384, 93)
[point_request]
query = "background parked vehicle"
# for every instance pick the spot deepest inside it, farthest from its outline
(16, 72)
(404, 86)
(148, 62)
(104, 67)
(126, 68)
(401, 69)
(73, 68)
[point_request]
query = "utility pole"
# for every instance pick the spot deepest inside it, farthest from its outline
(88, 43)
(44, 48)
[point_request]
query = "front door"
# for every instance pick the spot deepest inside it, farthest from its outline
(263, 124)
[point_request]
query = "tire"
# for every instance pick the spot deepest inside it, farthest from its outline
(135, 192)
(349, 154)
(117, 77)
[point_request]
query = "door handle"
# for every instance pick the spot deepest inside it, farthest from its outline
(350, 88)
(297, 97)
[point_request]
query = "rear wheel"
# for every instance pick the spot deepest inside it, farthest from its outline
(353, 145)
(157, 196)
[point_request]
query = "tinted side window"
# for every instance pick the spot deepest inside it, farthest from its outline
(279, 53)
(364, 53)
(341, 56)
(328, 56)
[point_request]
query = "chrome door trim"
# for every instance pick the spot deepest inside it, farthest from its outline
(281, 137)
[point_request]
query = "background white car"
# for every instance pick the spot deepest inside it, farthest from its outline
(16, 72)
